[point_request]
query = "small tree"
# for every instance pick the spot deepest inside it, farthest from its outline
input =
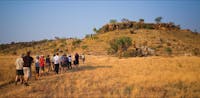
(113, 20)
(158, 19)
(141, 20)
(57, 38)
(168, 50)
(178, 26)
(95, 30)
(12, 43)
(125, 20)
(171, 23)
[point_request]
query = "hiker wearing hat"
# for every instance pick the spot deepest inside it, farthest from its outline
(48, 63)
(64, 62)
(42, 63)
(28, 60)
(37, 67)
(56, 60)
(19, 69)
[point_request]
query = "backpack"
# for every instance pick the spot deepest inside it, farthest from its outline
(64, 60)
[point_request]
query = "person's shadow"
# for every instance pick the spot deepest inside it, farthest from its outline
(89, 67)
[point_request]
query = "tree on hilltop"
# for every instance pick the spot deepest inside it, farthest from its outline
(95, 30)
(57, 38)
(125, 20)
(141, 20)
(113, 20)
(158, 19)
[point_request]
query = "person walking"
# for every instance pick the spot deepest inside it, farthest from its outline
(37, 67)
(42, 63)
(64, 62)
(19, 69)
(83, 58)
(28, 60)
(69, 62)
(48, 63)
(76, 61)
(52, 61)
(61, 63)
(56, 62)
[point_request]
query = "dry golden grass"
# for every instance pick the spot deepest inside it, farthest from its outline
(7, 69)
(103, 76)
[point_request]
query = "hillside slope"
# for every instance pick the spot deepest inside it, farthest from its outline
(180, 42)
(163, 41)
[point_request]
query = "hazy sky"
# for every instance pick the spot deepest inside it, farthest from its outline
(35, 20)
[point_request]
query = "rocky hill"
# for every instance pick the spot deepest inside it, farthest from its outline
(146, 39)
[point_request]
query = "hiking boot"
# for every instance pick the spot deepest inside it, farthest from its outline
(15, 82)
(26, 84)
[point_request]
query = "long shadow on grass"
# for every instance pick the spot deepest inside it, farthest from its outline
(89, 67)
(81, 68)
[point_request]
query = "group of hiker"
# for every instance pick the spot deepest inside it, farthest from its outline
(56, 63)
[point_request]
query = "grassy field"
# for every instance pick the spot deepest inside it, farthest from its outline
(103, 76)
(7, 69)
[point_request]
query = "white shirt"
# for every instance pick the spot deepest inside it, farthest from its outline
(52, 59)
(83, 56)
(70, 59)
(56, 59)
(19, 63)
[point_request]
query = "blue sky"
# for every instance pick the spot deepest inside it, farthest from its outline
(35, 20)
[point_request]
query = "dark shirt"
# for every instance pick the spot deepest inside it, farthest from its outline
(27, 61)
(76, 57)
(65, 60)
(48, 60)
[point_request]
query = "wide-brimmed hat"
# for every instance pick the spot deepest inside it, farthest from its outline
(37, 56)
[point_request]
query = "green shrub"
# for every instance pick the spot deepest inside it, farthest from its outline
(120, 44)
(168, 50)
(113, 21)
(84, 47)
